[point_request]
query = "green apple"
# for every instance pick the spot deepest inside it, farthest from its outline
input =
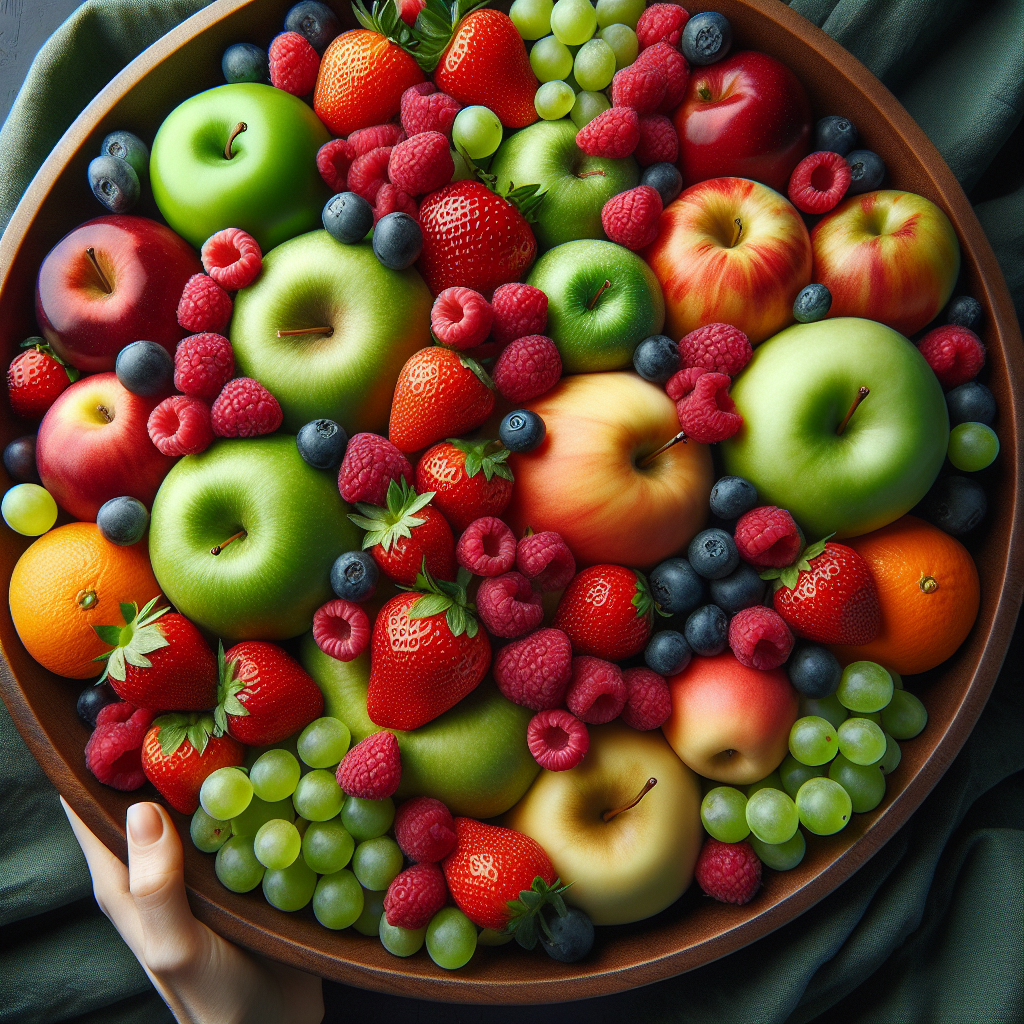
(576, 186)
(794, 395)
(603, 300)
(372, 319)
(270, 185)
(286, 523)
(474, 757)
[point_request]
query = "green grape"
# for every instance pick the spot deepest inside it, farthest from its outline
(771, 816)
(864, 783)
(897, 679)
(237, 866)
(864, 686)
(625, 12)
(828, 708)
(905, 716)
(773, 781)
(29, 509)
(323, 743)
(492, 937)
(623, 42)
(289, 888)
(723, 812)
(318, 795)
(573, 84)
(277, 844)
(376, 862)
(225, 793)
(477, 131)
(338, 900)
(587, 106)
(368, 922)
(795, 773)
(573, 22)
(871, 716)
(553, 100)
(462, 172)
(451, 938)
(367, 819)
(208, 834)
(253, 754)
(401, 941)
(861, 741)
(258, 813)
(823, 805)
(594, 65)
(890, 760)
(812, 740)
(274, 775)
(532, 19)
(781, 856)
(972, 446)
(551, 60)
(327, 846)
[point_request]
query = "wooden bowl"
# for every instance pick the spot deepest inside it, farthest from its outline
(694, 931)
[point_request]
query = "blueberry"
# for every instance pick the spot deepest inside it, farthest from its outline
(145, 368)
(20, 460)
(955, 504)
(814, 671)
(397, 241)
(742, 588)
(92, 700)
(126, 146)
(732, 496)
(707, 630)
(573, 936)
(665, 179)
(521, 430)
(322, 444)
(667, 652)
(813, 303)
(706, 38)
(656, 358)
(713, 553)
(868, 171)
(835, 134)
(317, 22)
(676, 587)
(348, 217)
(245, 62)
(114, 183)
(354, 576)
(971, 403)
(123, 520)
(965, 311)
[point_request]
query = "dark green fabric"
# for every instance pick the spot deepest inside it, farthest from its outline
(930, 930)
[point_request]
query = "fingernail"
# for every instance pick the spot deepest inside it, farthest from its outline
(145, 826)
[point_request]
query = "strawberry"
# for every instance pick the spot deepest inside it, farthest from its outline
(264, 694)
(178, 753)
(36, 377)
(469, 479)
(428, 652)
(158, 660)
(406, 535)
(439, 393)
(606, 611)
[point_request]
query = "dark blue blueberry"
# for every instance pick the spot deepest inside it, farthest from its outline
(322, 444)
(317, 22)
(742, 588)
(354, 576)
(656, 358)
(145, 368)
(126, 146)
(521, 430)
(971, 403)
(813, 303)
(573, 936)
(965, 311)
(348, 217)
(123, 520)
(92, 700)
(706, 38)
(955, 504)
(665, 179)
(713, 553)
(732, 496)
(814, 671)
(868, 171)
(397, 241)
(114, 183)
(707, 631)
(835, 134)
(20, 460)
(667, 652)
(245, 62)
(676, 587)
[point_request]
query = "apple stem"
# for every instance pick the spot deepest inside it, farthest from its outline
(235, 132)
(862, 393)
(590, 174)
(600, 292)
(217, 549)
(91, 253)
(648, 459)
(306, 330)
(648, 786)
(105, 413)
(739, 231)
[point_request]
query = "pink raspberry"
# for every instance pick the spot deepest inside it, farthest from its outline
(760, 638)
(677, 73)
(661, 23)
(245, 408)
(341, 629)
(658, 141)
(333, 160)
(648, 699)
(372, 769)
(487, 547)
(366, 139)
(597, 692)
(545, 560)
(371, 462)
(955, 353)
(461, 318)
(640, 87)
(557, 739)
(519, 310)
(767, 537)
(203, 364)
(415, 896)
(508, 606)
(369, 172)
(818, 182)
(613, 133)
(527, 368)
(391, 199)
(421, 164)
(707, 413)
(294, 64)
(424, 109)
(408, 10)
(180, 425)
(721, 348)
(425, 829)
(631, 218)
(114, 751)
(680, 384)
(232, 258)
(536, 670)
(204, 305)
(728, 872)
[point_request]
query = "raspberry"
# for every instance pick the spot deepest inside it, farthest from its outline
(203, 364)
(536, 670)
(707, 413)
(415, 896)
(341, 629)
(114, 751)
(661, 23)
(294, 64)
(204, 305)
(631, 218)
(366, 139)
(640, 87)
(371, 462)
(508, 606)
(519, 310)
(369, 172)
(955, 353)
(391, 199)
(729, 872)
(545, 560)
(557, 739)
(461, 318)
(680, 384)
(421, 164)
(372, 769)
(232, 258)
(613, 133)
(767, 537)
(527, 368)
(677, 73)
(245, 408)
(424, 109)
(597, 692)
(333, 160)
(648, 699)
(721, 348)
(487, 547)
(658, 141)
(818, 182)
(760, 638)
(180, 425)
(425, 829)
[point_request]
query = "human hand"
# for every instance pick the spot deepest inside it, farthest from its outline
(203, 978)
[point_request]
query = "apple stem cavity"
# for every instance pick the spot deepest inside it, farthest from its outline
(91, 253)
(862, 393)
(306, 330)
(600, 291)
(648, 459)
(105, 413)
(648, 786)
(235, 132)
(218, 548)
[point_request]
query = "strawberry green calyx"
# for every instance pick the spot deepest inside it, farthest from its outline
(527, 920)
(195, 726)
(788, 576)
(425, 41)
(488, 457)
(643, 601)
(478, 371)
(42, 345)
(441, 596)
(130, 643)
(526, 199)
(228, 687)
(384, 526)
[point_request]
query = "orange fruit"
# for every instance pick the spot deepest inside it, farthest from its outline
(929, 592)
(68, 581)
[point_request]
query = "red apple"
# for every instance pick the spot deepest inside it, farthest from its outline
(888, 256)
(747, 116)
(88, 311)
(93, 445)
(730, 723)
(730, 251)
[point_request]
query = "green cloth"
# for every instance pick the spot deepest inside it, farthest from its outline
(929, 930)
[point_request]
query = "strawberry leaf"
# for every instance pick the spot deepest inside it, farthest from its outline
(526, 199)
(384, 526)
(429, 605)
(109, 635)
(228, 688)
(642, 600)
(488, 457)
(790, 575)
(526, 914)
(172, 734)
(478, 371)
(770, 574)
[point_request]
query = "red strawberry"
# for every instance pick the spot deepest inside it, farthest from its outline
(159, 660)
(407, 534)
(35, 378)
(469, 480)
(606, 611)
